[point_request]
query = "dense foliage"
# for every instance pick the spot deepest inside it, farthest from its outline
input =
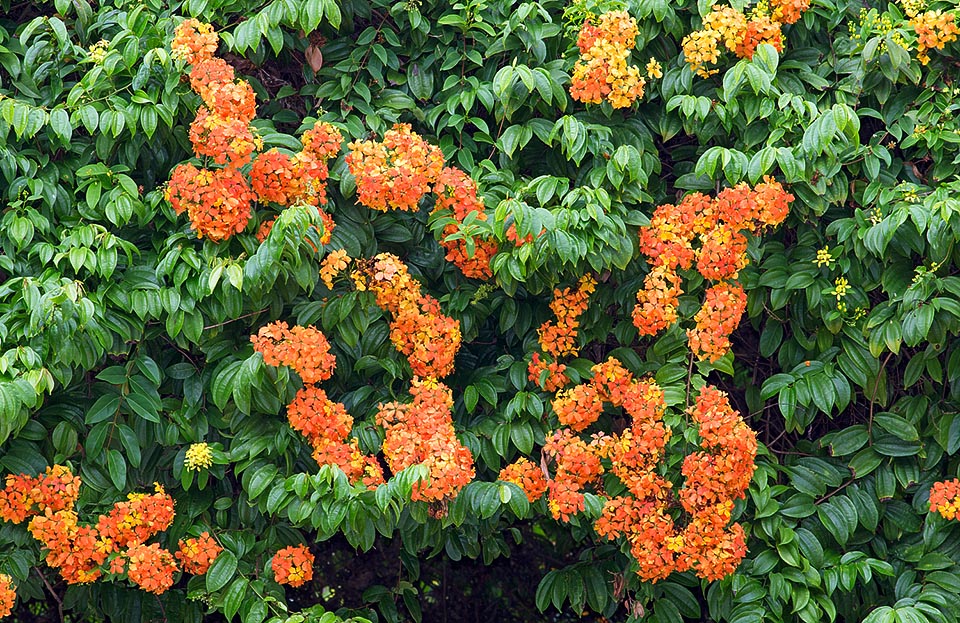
(450, 322)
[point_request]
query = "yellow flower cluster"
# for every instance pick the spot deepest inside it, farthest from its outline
(738, 32)
(874, 23)
(198, 457)
(913, 7)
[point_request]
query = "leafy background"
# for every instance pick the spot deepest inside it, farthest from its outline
(125, 339)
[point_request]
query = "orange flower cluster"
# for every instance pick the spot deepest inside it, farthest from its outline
(788, 11)
(332, 265)
(194, 42)
(150, 567)
(719, 225)
(739, 34)
(713, 478)
(577, 465)
(197, 554)
(216, 200)
(934, 30)
(526, 475)
(723, 306)
(429, 339)
(304, 349)
(558, 339)
(137, 519)
(7, 595)
(324, 422)
(301, 178)
(397, 172)
(602, 71)
(293, 565)
(422, 433)
(327, 425)
(79, 550)
(325, 234)
(25, 496)
(945, 498)
(457, 193)
(417, 433)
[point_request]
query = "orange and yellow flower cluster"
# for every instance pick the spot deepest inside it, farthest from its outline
(218, 200)
(457, 193)
(420, 432)
(934, 30)
(25, 496)
(945, 498)
(559, 339)
(719, 225)
(417, 433)
(115, 544)
(394, 173)
(293, 565)
(526, 475)
(739, 34)
(304, 349)
(603, 72)
(713, 477)
(8, 595)
(197, 554)
(429, 339)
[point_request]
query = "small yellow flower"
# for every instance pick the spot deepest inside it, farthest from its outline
(198, 457)
(841, 285)
(98, 51)
(654, 70)
(823, 257)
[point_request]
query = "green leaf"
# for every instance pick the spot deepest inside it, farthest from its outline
(117, 467)
(221, 571)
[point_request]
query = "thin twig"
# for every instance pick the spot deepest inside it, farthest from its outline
(52, 592)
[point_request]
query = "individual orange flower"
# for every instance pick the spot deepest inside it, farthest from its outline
(197, 554)
(150, 567)
(293, 565)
